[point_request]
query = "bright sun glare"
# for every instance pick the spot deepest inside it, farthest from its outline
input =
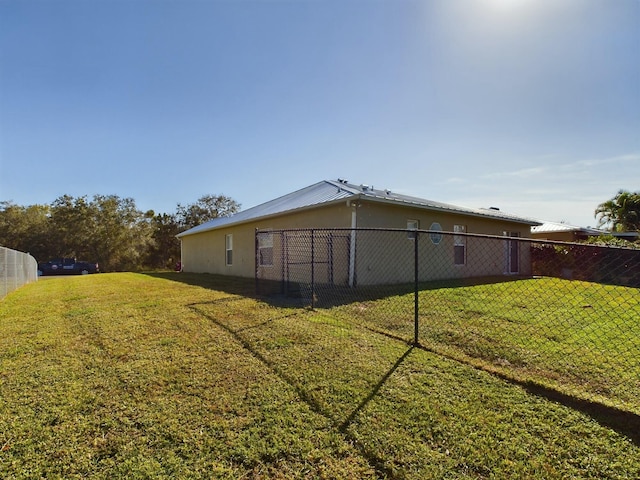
(513, 12)
(506, 5)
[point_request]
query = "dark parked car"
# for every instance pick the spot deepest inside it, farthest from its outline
(67, 266)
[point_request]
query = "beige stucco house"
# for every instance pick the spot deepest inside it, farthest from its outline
(229, 245)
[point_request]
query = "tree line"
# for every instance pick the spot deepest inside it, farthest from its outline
(112, 231)
(106, 229)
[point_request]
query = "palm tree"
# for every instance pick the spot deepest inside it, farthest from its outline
(622, 212)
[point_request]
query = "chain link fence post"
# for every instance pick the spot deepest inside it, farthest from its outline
(416, 290)
(313, 271)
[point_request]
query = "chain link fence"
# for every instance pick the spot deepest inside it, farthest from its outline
(559, 315)
(16, 269)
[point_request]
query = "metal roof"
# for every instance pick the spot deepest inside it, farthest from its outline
(388, 196)
(554, 227)
(329, 191)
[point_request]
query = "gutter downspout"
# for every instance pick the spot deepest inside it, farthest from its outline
(352, 245)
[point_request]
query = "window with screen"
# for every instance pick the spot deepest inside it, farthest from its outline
(265, 249)
(412, 225)
(459, 245)
(229, 249)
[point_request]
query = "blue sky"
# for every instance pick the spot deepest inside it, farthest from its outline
(532, 106)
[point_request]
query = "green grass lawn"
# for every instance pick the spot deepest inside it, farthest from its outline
(577, 337)
(185, 376)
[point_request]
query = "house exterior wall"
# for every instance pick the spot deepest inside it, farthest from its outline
(483, 257)
(380, 257)
(566, 236)
(379, 215)
(389, 258)
(205, 252)
(556, 236)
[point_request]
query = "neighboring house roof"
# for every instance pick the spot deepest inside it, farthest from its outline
(631, 236)
(329, 191)
(554, 227)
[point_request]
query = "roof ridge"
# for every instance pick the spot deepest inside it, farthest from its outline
(341, 184)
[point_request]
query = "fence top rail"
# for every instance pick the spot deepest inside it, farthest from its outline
(448, 233)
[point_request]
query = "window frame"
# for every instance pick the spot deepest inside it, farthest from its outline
(228, 249)
(512, 253)
(265, 245)
(435, 236)
(459, 244)
(412, 225)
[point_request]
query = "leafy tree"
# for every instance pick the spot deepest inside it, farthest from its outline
(25, 228)
(122, 233)
(165, 249)
(72, 227)
(206, 208)
(621, 213)
(107, 229)
(611, 241)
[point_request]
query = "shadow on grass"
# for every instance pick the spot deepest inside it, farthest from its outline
(223, 283)
(323, 295)
(375, 461)
(622, 421)
(329, 296)
(344, 425)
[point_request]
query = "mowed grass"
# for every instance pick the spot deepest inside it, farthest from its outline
(187, 376)
(578, 337)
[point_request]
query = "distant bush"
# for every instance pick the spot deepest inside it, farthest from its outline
(591, 262)
(610, 240)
